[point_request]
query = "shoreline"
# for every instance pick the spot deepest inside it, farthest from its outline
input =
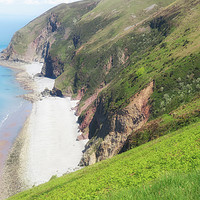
(48, 136)
(11, 130)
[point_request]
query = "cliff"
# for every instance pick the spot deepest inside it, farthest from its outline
(109, 133)
(33, 42)
(128, 63)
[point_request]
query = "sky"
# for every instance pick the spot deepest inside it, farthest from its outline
(14, 14)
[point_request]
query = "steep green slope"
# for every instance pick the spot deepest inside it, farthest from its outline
(92, 43)
(173, 63)
(167, 54)
(175, 152)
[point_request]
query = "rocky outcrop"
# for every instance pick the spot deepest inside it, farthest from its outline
(85, 122)
(109, 133)
(54, 93)
(52, 67)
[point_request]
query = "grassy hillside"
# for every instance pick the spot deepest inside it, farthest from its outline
(96, 35)
(172, 62)
(164, 49)
(177, 152)
(177, 186)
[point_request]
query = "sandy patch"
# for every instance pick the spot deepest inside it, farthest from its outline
(51, 141)
(33, 69)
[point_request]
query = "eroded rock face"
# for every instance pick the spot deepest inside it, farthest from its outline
(52, 67)
(112, 132)
(37, 49)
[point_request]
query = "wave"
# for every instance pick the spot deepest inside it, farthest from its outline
(4, 120)
(10, 113)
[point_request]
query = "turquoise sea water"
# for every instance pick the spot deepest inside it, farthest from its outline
(13, 110)
(9, 90)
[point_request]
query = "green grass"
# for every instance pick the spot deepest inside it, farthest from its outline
(175, 74)
(177, 152)
(176, 186)
(130, 12)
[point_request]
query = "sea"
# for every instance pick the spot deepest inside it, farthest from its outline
(14, 110)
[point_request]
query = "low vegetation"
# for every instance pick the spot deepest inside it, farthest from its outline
(177, 186)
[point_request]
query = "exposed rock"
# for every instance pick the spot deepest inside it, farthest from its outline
(82, 137)
(90, 110)
(80, 94)
(86, 120)
(46, 93)
(56, 92)
(53, 24)
(108, 134)
(52, 67)
(91, 99)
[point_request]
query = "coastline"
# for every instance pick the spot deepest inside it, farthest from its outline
(48, 136)
(11, 130)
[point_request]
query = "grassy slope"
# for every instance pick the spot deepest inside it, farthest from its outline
(99, 30)
(176, 186)
(175, 152)
(130, 13)
(173, 64)
(167, 53)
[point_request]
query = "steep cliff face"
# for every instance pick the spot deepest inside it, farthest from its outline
(34, 41)
(36, 49)
(108, 134)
